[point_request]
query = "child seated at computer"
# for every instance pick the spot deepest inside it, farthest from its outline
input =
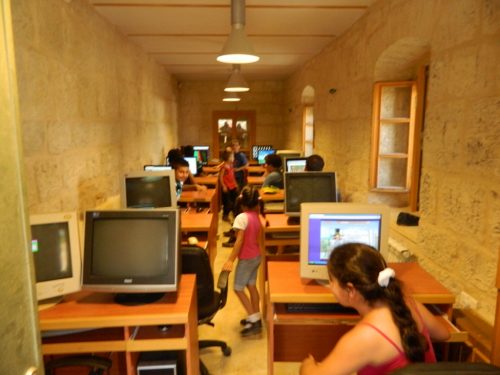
(394, 329)
(246, 249)
(273, 175)
(184, 179)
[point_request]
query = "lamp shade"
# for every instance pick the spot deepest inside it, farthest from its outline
(238, 49)
(231, 97)
(236, 81)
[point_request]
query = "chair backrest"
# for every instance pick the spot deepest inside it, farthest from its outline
(195, 260)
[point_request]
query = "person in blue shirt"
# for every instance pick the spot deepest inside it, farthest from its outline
(240, 164)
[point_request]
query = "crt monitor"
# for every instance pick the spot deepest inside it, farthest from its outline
(295, 164)
(134, 253)
(257, 148)
(157, 167)
(261, 155)
(55, 246)
(149, 189)
(285, 154)
(193, 167)
(324, 226)
(303, 187)
(202, 154)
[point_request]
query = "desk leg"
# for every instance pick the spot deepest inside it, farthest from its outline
(192, 351)
(270, 337)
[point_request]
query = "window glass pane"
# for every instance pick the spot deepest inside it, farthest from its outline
(392, 173)
(224, 130)
(394, 138)
(395, 102)
(242, 133)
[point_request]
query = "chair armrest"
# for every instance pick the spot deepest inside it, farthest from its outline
(223, 280)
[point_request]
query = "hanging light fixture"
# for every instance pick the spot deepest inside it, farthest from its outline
(231, 97)
(237, 49)
(236, 81)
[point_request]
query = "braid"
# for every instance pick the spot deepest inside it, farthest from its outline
(414, 343)
(360, 265)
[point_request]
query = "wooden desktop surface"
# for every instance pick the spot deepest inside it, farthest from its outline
(255, 180)
(268, 197)
(210, 180)
(256, 169)
(279, 223)
(192, 221)
(99, 311)
(205, 196)
(285, 284)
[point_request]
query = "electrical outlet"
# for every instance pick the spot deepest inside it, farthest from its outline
(466, 301)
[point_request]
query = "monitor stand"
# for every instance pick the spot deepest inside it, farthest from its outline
(49, 302)
(293, 220)
(133, 299)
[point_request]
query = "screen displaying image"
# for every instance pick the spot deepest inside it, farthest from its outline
(328, 231)
(261, 155)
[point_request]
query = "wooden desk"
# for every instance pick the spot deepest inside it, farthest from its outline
(212, 169)
(207, 197)
(209, 180)
(115, 325)
(277, 232)
(255, 180)
(201, 222)
(273, 203)
(256, 170)
(292, 336)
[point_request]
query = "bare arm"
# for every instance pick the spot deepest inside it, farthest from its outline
(228, 266)
(437, 330)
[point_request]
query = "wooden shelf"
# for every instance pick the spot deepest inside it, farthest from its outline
(396, 120)
(394, 155)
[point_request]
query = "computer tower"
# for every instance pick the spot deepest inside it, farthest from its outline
(157, 363)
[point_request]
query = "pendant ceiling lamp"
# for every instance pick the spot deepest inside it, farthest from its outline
(236, 81)
(231, 97)
(237, 49)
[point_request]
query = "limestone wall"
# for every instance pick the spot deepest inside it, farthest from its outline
(197, 101)
(92, 105)
(459, 235)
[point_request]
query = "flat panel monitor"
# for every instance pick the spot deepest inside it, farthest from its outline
(157, 167)
(261, 155)
(193, 168)
(55, 246)
(295, 164)
(301, 187)
(134, 253)
(149, 189)
(256, 148)
(324, 226)
(202, 154)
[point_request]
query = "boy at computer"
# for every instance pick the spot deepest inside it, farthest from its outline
(183, 178)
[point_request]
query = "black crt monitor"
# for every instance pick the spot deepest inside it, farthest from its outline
(302, 187)
(256, 148)
(149, 189)
(202, 154)
(193, 167)
(134, 253)
(157, 167)
(261, 155)
(325, 226)
(55, 246)
(295, 164)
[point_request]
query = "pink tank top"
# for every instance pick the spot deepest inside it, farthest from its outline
(251, 227)
(400, 360)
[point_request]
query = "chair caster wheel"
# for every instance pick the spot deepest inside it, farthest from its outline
(226, 351)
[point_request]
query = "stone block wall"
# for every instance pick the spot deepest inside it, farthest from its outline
(92, 105)
(197, 101)
(459, 233)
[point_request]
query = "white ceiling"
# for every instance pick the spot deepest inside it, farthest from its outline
(186, 36)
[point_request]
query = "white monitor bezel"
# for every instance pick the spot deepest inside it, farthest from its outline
(319, 272)
(139, 174)
(60, 287)
(193, 167)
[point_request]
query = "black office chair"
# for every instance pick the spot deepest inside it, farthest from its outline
(195, 260)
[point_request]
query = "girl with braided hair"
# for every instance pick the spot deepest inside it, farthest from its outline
(394, 330)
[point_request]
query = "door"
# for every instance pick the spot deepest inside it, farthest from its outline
(229, 125)
(19, 343)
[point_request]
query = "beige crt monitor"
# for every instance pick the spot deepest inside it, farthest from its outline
(324, 226)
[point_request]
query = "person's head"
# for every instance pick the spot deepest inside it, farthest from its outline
(173, 156)
(181, 168)
(359, 268)
(249, 197)
(228, 156)
(314, 163)
(235, 145)
(273, 161)
(188, 151)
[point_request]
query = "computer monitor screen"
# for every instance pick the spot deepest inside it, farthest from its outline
(131, 251)
(193, 168)
(324, 226)
(261, 155)
(301, 187)
(202, 154)
(148, 189)
(157, 167)
(295, 164)
(55, 246)
(256, 148)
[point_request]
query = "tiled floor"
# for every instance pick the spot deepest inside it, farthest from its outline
(249, 355)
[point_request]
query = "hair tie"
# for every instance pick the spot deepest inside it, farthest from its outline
(385, 276)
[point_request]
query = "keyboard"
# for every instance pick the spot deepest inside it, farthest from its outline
(319, 308)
